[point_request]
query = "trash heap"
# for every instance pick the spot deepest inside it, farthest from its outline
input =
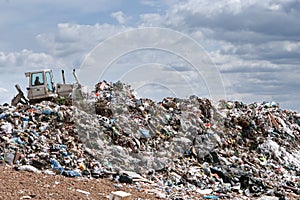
(176, 148)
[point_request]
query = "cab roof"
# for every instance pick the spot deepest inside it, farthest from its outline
(27, 74)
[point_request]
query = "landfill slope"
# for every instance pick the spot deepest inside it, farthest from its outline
(176, 148)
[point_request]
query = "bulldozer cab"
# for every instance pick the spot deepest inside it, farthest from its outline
(40, 85)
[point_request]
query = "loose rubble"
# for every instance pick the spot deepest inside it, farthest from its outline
(176, 148)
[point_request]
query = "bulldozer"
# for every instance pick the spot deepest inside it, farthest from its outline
(41, 87)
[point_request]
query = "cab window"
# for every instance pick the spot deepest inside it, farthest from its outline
(37, 79)
(49, 82)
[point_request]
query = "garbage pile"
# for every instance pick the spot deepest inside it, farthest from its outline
(176, 148)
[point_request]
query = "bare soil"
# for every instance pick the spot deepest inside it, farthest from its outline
(28, 185)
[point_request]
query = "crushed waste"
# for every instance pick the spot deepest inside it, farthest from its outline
(176, 148)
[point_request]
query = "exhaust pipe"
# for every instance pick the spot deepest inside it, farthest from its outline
(63, 76)
(75, 76)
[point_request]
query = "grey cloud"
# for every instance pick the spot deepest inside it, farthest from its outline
(247, 69)
(182, 68)
(279, 85)
(276, 52)
(256, 31)
(253, 17)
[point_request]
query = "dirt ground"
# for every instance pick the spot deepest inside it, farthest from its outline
(29, 185)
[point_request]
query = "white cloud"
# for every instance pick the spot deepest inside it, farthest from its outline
(71, 42)
(25, 58)
(5, 96)
(7, 58)
(160, 3)
(120, 17)
(149, 2)
(151, 19)
(218, 7)
(2, 90)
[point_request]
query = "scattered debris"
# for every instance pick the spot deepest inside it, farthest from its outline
(174, 148)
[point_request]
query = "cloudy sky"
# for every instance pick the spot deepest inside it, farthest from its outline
(254, 45)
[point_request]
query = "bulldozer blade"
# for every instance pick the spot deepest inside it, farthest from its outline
(19, 98)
